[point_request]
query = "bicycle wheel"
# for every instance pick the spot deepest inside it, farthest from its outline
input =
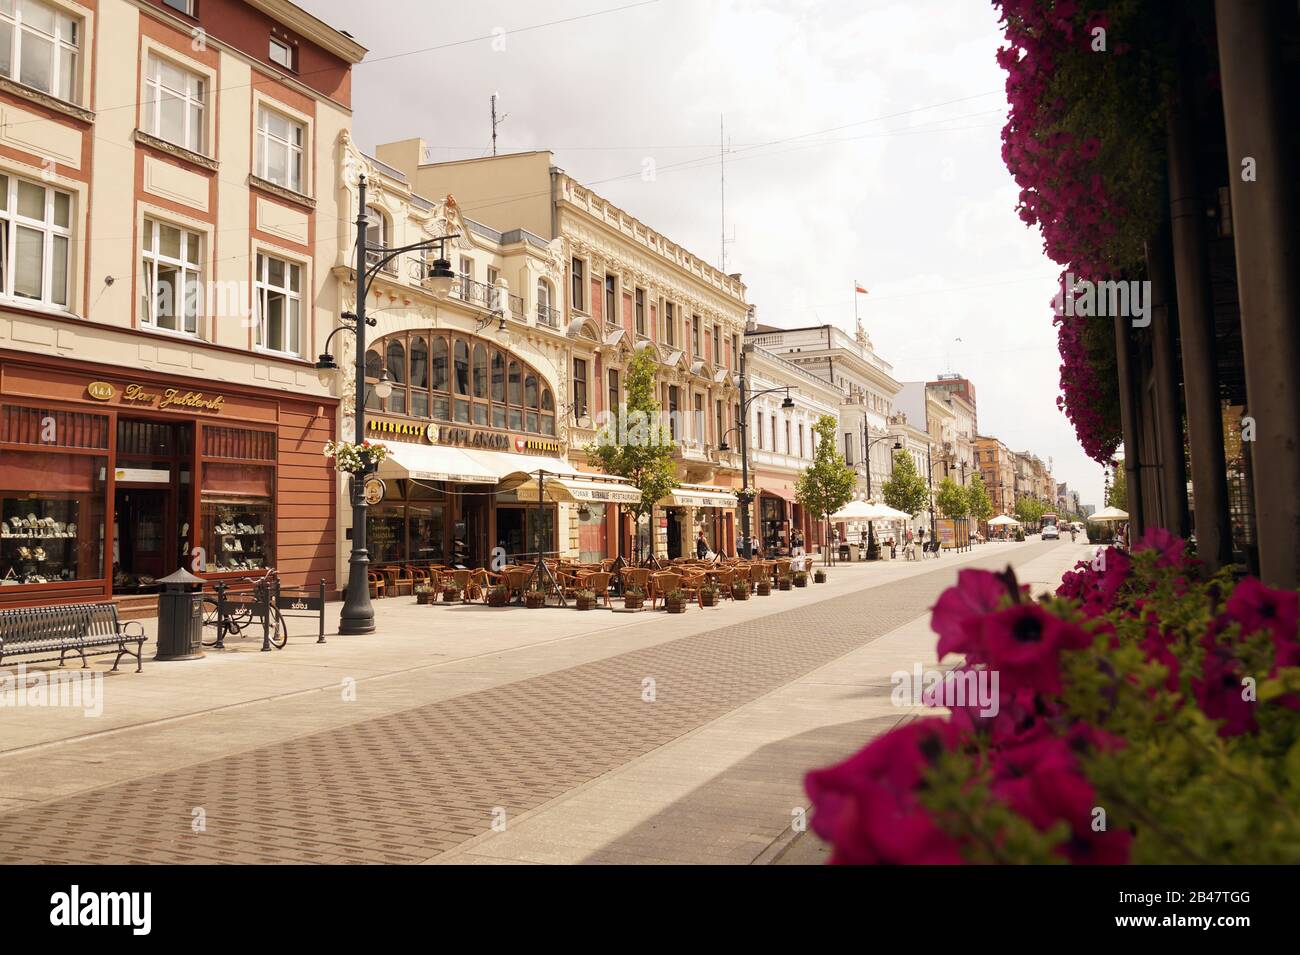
(279, 630)
(212, 621)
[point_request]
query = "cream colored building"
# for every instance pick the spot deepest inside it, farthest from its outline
(168, 187)
(623, 287)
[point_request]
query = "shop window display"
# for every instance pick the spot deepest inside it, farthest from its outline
(238, 533)
(57, 533)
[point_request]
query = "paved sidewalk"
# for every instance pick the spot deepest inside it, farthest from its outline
(395, 777)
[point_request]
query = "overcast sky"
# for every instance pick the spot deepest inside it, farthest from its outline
(863, 144)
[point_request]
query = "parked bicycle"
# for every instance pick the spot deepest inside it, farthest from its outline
(229, 613)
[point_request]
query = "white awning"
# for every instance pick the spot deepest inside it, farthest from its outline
(423, 462)
(512, 469)
(579, 490)
(699, 497)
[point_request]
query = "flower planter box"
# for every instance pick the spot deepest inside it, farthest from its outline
(534, 600)
(586, 603)
(801, 581)
(784, 584)
(764, 589)
(498, 598)
(675, 606)
(451, 596)
(425, 598)
(819, 577)
(741, 593)
(633, 603)
(708, 599)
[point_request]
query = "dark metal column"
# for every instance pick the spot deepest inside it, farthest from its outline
(1169, 409)
(1196, 327)
(1128, 416)
(1267, 281)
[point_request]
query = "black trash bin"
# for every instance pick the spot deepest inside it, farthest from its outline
(180, 617)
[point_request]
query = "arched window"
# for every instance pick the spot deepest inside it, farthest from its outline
(438, 379)
(544, 314)
(531, 400)
(419, 377)
(548, 412)
(480, 372)
(374, 365)
(395, 356)
(498, 389)
(377, 236)
(515, 416)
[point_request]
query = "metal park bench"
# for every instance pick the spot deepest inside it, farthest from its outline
(69, 628)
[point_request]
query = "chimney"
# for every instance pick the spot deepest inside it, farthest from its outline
(751, 321)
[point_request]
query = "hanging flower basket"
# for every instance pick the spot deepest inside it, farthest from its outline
(352, 458)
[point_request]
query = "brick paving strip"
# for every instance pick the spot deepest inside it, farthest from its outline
(407, 786)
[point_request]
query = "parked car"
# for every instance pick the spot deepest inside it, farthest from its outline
(1051, 533)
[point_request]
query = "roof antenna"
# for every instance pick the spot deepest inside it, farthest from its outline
(496, 122)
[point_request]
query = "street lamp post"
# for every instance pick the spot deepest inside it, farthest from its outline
(358, 616)
(742, 425)
(873, 549)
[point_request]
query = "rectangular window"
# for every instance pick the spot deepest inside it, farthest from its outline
(669, 320)
(672, 411)
(611, 300)
(579, 387)
(697, 423)
(173, 106)
(758, 429)
(613, 391)
(735, 359)
(181, 6)
(38, 47)
(848, 448)
(695, 337)
(171, 289)
(281, 53)
(35, 235)
(774, 447)
(718, 429)
(640, 311)
(801, 454)
(279, 149)
(279, 304)
(716, 357)
(787, 438)
(576, 298)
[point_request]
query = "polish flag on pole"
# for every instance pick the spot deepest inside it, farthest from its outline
(859, 289)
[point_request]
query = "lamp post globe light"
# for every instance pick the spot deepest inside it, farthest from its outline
(358, 616)
(746, 497)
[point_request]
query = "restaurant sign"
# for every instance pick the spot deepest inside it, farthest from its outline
(460, 437)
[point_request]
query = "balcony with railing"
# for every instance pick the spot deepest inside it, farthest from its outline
(547, 316)
(475, 293)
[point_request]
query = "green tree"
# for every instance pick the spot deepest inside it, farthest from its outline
(827, 484)
(1118, 494)
(952, 499)
(980, 504)
(905, 490)
(1029, 510)
(635, 444)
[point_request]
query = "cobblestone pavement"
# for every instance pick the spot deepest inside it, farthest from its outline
(408, 786)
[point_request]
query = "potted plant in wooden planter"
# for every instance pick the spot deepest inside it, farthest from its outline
(498, 596)
(764, 587)
(424, 594)
(801, 578)
(740, 590)
(586, 599)
(450, 595)
(535, 598)
(675, 602)
(634, 599)
(709, 595)
(819, 576)
(783, 582)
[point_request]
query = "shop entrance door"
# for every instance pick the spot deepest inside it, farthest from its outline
(674, 533)
(469, 534)
(141, 541)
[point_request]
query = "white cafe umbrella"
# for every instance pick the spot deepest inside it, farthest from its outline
(1003, 521)
(1108, 514)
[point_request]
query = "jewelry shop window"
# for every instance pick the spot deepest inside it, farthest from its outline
(52, 495)
(237, 502)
